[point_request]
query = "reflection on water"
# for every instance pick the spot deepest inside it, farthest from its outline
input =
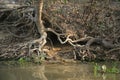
(54, 72)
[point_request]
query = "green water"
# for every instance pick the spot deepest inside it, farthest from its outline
(54, 72)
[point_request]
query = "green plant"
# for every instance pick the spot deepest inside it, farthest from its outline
(38, 59)
(96, 68)
(105, 69)
(114, 69)
(22, 61)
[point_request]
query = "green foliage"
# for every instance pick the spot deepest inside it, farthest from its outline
(114, 69)
(38, 59)
(42, 56)
(105, 69)
(22, 61)
(96, 68)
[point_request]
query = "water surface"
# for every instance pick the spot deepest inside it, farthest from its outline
(54, 72)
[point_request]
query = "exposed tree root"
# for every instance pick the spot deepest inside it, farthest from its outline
(81, 31)
(41, 29)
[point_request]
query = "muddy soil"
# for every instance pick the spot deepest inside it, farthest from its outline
(73, 18)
